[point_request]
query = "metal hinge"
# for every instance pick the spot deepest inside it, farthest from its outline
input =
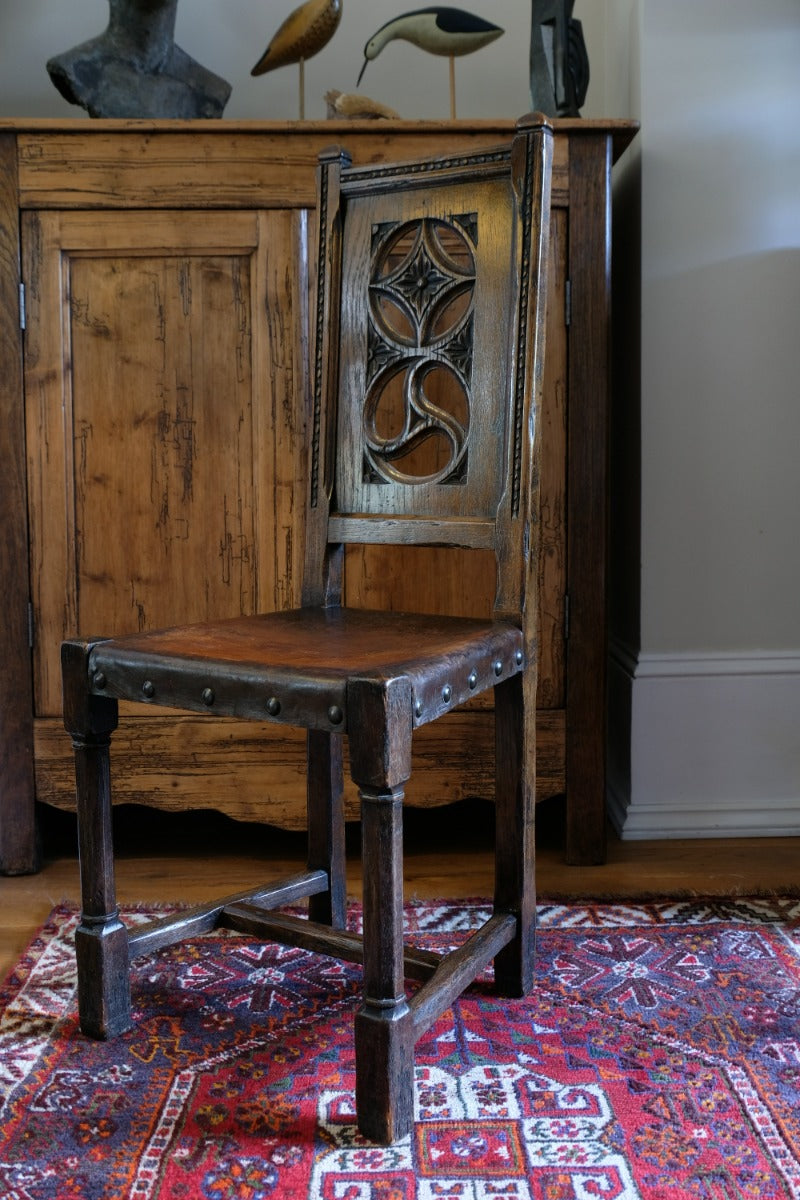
(568, 302)
(30, 625)
(22, 306)
(566, 617)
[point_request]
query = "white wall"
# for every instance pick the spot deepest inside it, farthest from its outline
(706, 638)
(713, 670)
(721, 351)
(228, 37)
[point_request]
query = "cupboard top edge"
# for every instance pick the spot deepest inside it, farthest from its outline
(216, 164)
(620, 130)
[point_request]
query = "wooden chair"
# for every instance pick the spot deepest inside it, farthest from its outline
(426, 375)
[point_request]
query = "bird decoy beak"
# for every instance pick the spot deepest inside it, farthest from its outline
(361, 72)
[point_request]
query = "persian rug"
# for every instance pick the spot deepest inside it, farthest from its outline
(659, 1057)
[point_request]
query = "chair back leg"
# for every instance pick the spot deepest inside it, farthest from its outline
(515, 882)
(326, 843)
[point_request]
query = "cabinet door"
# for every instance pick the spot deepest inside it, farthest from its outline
(165, 441)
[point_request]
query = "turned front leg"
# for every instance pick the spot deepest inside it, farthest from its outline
(383, 1036)
(380, 761)
(101, 940)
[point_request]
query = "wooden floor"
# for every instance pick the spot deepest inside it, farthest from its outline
(194, 857)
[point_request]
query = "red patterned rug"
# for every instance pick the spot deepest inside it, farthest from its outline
(659, 1057)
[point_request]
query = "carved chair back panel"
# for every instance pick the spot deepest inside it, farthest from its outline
(428, 361)
(426, 302)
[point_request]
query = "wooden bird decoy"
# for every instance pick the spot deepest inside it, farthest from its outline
(302, 35)
(450, 32)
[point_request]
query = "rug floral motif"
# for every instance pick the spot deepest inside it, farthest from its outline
(658, 1058)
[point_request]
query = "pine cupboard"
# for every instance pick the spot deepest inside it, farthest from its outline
(153, 436)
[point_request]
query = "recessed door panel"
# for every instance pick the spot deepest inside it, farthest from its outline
(165, 460)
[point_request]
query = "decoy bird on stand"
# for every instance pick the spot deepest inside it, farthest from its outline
(450, 32)
(302, 35)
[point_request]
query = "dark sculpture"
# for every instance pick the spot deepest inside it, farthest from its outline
(135, 69)
(559, 63)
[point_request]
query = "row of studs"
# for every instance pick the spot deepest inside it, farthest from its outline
(273, 706)
(472, 681)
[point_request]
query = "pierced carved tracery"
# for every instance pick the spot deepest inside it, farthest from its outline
(416, 416)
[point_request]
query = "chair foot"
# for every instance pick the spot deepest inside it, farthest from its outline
(514, 966)
(384, 1073)
(329, 908)
(104, 989)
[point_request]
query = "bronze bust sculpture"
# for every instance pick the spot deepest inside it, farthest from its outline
(134, 68)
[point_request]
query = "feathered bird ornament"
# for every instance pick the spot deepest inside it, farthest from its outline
(351, 107)
(450, 32)
(302, 35)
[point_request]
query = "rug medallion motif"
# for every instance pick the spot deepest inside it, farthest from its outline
(658, 1057)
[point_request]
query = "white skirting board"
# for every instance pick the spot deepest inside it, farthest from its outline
(704, 745)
